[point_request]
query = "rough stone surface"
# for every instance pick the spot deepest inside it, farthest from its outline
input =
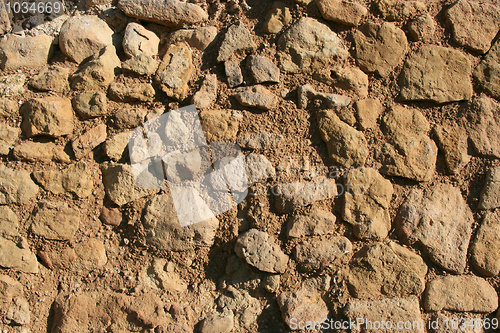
(379, 47)
(76, 178)
(460, 293)
(350, 81)
(400, 10)
(175, 70)
(438, 74)
(52, 116)
(97, 72)
(161, 274)
(14, 307)
(257, 97)
(9, 223)
(331, 101)
(386, 269)
(366, 203)
(474, 24)
(346, 146)
(487, 73)
(90, 104)
(490, 196)
(53, 78)
(90, 139)
(422, 28)
(259, 250)
(83, 36)
(8, 137)
(199, 38)
(278, 17)
(408, 152)
(55, 220)
(207, 94)
(236, 40)
(8, 107)
(452, 141)
(367, 112)
(313, 45)
(319, 254)
(233, 73)
(90, 255)
(486, 246)
(258, 168)
(12, 85)
(343, 12)
(17, 52)
(220, 125)
(218, 323)
(116, 145)
(17, 256)
(482, 117)
(141, 64)
(139, 40)
(40, 152)
(246, 308)
(16, 186)
(111, 216)
(142, 92)
(439, 220)
(317, 222)
(262, 69)
(5, 25)
(260, 140)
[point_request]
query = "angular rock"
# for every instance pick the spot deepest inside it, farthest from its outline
(53, 78)
(366, 203)
(291, 196)
(379, 48)
(14, 307)
(90, 139)
(258, 168)
(83, 36)
(474, 24)
(309, 45)
(348, 80)
(439, 220)
(162, 274)
(409, 152)
(259, 250)
(55, 220)
(141, 65)
(8, 137)
(90, 255)
(422, 28)
(490, 196)
(346, 146)
(278, 17)
(246, 308)
(16, 186)
(452, 140)
(90, 104)
(63, 259)
(438, 74)
(98, 71)
(331, 101)
(220, 125)
(16, 256)
(129, 116)
(12, 85)
(111, 216)
(486, 246)
(263, 69)
(367, 112)
(17, 52)
(143, 92)
(397, 10)
(386, 269)
(465, 293)
(487, 73)
(175, 71)
(218, 322)
(199, 38)
(8, 107)
(233, 73)
(236, 40)
(261, 140)
(77, 179)
(207, 94)
(319, 254)
(139, 40)
(343, 12)
(317, 222)
(5, 25)
(172, 13)
(52, 116)
(40, 152)
(115, 146)
(257, 97)
(9, 223)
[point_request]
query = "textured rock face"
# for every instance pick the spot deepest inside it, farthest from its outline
(490, 196)
(440, 220)
(89, 140)
(422, 28)
(315, 254)
(263, 69)
(140, 65)
(16, 51)
(17, 257)
(139, 40)
(343, 12)
(367, 112)
(395, 10)
(175, 71)
(277, 18)
(98, 71)
(90, 104)
(206, 96)
(256, 97)
(142, 92)
(53, 78)
(55, 220)
(8, 137)
(14, 307)
(460, 293)
(40, 152)
(487, 73)
(260, 140)
(236, 40)
(246, 308)
(220, 125)
(452, 140)
(318, 222)
(438, 74)
(16, 186)
(52, 116)
(76, 178)
(486, 245)
(12, 85)
(314, 45)
(120, 184)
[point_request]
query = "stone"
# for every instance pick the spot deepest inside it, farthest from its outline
(220, 126)
(218, 323)
(474, 25)
(278, 17)
(12, 85)
(259, 250)
(51, 116)
(313, 255)
(367, 197)
(260, 140)
(111, 216)
(386, 269)
(305, 304)
(408, 152)
(490, 195)
(76, 178)
(452, 141)
(199, 38)
(440, 220)
(8, 107)
(481, 119)
(52, 78)
(141, 64)
(64, 259)
(129, 116)
(465, 293)
(438, 74)
(256, 97)
(367, 112)
(17, 51)
(346, 146)
(175, 71)
(116, 145)
(262, 69)
(139, 40)
(142, 92)
(258, 168)
(271, 283)
(83, 36)
(179, 167)
(161, 274)
(422, 28)
(14, 307)
(8, 137)
(5, 25)
(487, 73)
(343, 12)
(16, 186)
(173, 13)
(17, 256)
(379, 47)
(90, 255)
(55, 220)
(90, 104)
(396, 10)
(236, 40)
(206, 96)
(120, 184)
(309, 45)
(98, 71)
(233, 73)
(486, 245)
(164, 231)
(332, 101)
(246, 309)
(40, 152)
(291, 196)
(90, 139)
(9, 223)
(394, 310)
(348, 80)
(303, 2)
(317, 222)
